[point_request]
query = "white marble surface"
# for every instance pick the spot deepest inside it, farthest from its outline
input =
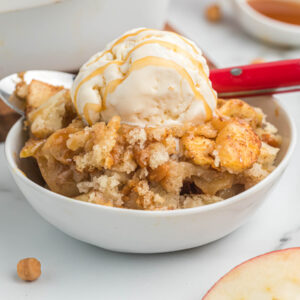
(74, 270)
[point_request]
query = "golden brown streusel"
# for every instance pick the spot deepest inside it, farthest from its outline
(158, 168)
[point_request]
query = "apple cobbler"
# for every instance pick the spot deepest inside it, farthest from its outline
(151, 168)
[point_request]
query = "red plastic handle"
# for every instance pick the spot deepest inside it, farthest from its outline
(257, 79)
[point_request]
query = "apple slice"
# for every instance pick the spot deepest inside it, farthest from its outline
(271, 276)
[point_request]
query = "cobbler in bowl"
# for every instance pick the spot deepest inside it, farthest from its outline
(150, 168)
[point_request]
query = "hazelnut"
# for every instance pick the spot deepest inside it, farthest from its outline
(29, 269)
(213, 13)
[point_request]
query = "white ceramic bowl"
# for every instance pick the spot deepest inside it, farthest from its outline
(265, 28)
(149, 231)
(61, 34)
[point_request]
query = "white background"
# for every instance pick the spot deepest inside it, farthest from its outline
(74, 270)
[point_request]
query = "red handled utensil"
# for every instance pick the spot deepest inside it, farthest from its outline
(257, 79)
(252, 80)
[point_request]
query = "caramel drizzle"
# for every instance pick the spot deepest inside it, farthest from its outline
(158, 61)
(174, 48)
(188, 42)
(98, 71)
(118, 42)
(111, 86)
(91, 106)
(97, 108)
(145, 37)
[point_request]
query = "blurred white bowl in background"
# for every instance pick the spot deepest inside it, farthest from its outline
(265, 28)
(14, 5)
(62, 35)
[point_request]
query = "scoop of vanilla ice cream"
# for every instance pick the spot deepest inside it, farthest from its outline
(147, 77)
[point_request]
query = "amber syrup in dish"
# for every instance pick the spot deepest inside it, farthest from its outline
(279, 10)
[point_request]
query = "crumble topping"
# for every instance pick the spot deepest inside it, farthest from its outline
(151, 168)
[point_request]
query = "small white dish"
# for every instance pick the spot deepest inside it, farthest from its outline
(60, 35)
(265, 28)
(139, 231)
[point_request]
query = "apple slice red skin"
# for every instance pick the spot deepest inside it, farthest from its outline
(247, 261)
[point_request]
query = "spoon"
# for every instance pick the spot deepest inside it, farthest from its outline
(242, 81)
(257, 79)
(8, 85)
